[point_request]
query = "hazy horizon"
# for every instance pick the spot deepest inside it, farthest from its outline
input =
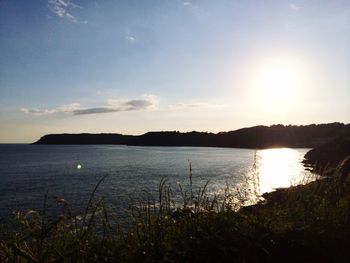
(138, 134)
(73, 66)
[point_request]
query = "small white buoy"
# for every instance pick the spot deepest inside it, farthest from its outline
(79, 166)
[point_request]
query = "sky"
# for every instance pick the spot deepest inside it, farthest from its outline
(127, 66)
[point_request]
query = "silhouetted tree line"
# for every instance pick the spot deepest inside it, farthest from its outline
(254, 137)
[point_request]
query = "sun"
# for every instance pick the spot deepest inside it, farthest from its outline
(277, 79)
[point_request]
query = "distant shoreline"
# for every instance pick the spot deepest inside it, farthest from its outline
(260, 137)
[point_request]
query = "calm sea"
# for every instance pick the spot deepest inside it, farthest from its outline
(27, 172)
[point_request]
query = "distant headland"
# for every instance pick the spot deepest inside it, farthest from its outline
(294, 136)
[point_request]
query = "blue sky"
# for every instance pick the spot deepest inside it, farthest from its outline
(136, 66)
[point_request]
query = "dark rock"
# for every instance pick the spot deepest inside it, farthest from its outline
(329, 155)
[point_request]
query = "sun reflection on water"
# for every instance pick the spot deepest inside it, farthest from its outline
(280, 167)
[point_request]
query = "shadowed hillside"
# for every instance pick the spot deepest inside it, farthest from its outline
(254, 137)
(330, 155)
(84, 138)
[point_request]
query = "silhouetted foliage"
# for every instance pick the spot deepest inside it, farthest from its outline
(326, 157)
(309, 223)
(255, 137)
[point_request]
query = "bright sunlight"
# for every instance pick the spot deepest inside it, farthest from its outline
(278, 79)
(277, 168)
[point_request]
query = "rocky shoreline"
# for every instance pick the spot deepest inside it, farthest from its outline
(329, 157)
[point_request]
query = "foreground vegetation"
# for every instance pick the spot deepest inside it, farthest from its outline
(302, 223)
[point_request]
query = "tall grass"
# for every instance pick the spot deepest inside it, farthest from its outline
(301, 223)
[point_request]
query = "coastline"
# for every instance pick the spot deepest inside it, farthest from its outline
(261, 137)
(301, 223)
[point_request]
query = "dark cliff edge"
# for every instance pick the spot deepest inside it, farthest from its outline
(84, 138)
(308, 136)
(332, 155)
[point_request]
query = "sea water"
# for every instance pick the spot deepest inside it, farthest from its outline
(29, 172)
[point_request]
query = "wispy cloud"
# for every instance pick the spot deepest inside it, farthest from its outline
(41, 112)
(38, 112)
(130, 105)
(294, 7)
(195, 105)
(186, 3)
(130, 38)
(63, 9)
(146, 102)
(70, 107)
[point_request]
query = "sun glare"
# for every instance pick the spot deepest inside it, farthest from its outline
(277, 168)
(278, 80)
